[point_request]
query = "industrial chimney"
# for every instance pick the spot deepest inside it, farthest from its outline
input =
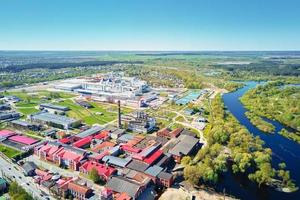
(119, 114)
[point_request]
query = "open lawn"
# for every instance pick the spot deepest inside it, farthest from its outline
(100, 114)
(9, 152)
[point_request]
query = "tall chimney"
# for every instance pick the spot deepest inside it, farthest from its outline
(119, 114)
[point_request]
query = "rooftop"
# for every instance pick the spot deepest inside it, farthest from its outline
(81, 189)
(23, 139)
(153, 170)
(137, 165)
(120, 162)
(123, 185)
(56, 107)
(92, 131)
(6, 133)
(184, 146)
(57, 119)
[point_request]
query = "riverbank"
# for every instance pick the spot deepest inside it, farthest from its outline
(283, 150)
(260, 123)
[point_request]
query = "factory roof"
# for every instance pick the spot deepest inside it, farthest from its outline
(153, 170)
(121, 185)
(82, 142)
(184, 146)
(23, 139)
(120, 162)
(6, 133)
(57, 119)
(126, 137)
(92, 131)
(165, 175)
(153, 157)
(137, 165)
(55, 107)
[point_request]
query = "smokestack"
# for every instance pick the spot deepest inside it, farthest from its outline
(119, 114)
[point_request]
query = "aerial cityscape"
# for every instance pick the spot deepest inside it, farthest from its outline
(158, 100)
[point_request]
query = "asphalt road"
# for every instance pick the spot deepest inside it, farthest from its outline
(14, 172)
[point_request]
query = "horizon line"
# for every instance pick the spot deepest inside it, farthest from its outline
(115, 50)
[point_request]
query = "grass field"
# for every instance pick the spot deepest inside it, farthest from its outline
(100, 114)
(30, 100)
(9, 152)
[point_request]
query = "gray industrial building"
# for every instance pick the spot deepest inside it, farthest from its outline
(54, 120)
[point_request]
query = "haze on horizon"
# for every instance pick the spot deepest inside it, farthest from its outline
(190, 25)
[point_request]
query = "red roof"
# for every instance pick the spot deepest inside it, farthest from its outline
(164, 131)
(82, 142)
(81, 189)
(65, 140)
(6, 133)
(153, 157)
(102, 169)
(102, 135)
(49, 149)
(101, 155)
(103, 145)
(130, 149)
(123, 196)
(69, 155)
(176, 132)
(23, 139)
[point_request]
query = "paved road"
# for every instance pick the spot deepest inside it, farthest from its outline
(14, 172)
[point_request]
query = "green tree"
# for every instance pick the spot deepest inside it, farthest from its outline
(94, 176)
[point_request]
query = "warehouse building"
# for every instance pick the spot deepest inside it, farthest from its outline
(54, 120)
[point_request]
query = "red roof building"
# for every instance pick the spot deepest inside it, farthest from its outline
(80, 192)
(176, 132)
(47, 151)
(104, 171)
(22, 139)
(83, 142)
(163, 132)
(69, 158)
(103, 135)
(169, 134)
(153, 157)
(6, 133)
(103, 146)
(66, 140)
(123, 196)
(130, 149)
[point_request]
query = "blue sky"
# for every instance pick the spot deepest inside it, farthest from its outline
(150, 25)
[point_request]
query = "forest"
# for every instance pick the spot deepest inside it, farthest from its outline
(231, 147)
(275, 101)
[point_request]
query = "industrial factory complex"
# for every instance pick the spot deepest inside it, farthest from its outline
(134, 155)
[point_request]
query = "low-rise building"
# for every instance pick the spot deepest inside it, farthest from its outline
(104, 171)
(54, 120)
(142, 123)
(185, 145)
(53, 108)
(80, 192)
(123, 185)
(29, 168)
(21, 124)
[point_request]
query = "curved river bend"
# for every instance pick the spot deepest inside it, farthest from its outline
(284, 150)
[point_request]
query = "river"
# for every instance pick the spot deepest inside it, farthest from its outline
(284, 150)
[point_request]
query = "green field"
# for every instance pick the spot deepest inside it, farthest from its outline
(9, 152)
(30, 100)
(100, 114)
